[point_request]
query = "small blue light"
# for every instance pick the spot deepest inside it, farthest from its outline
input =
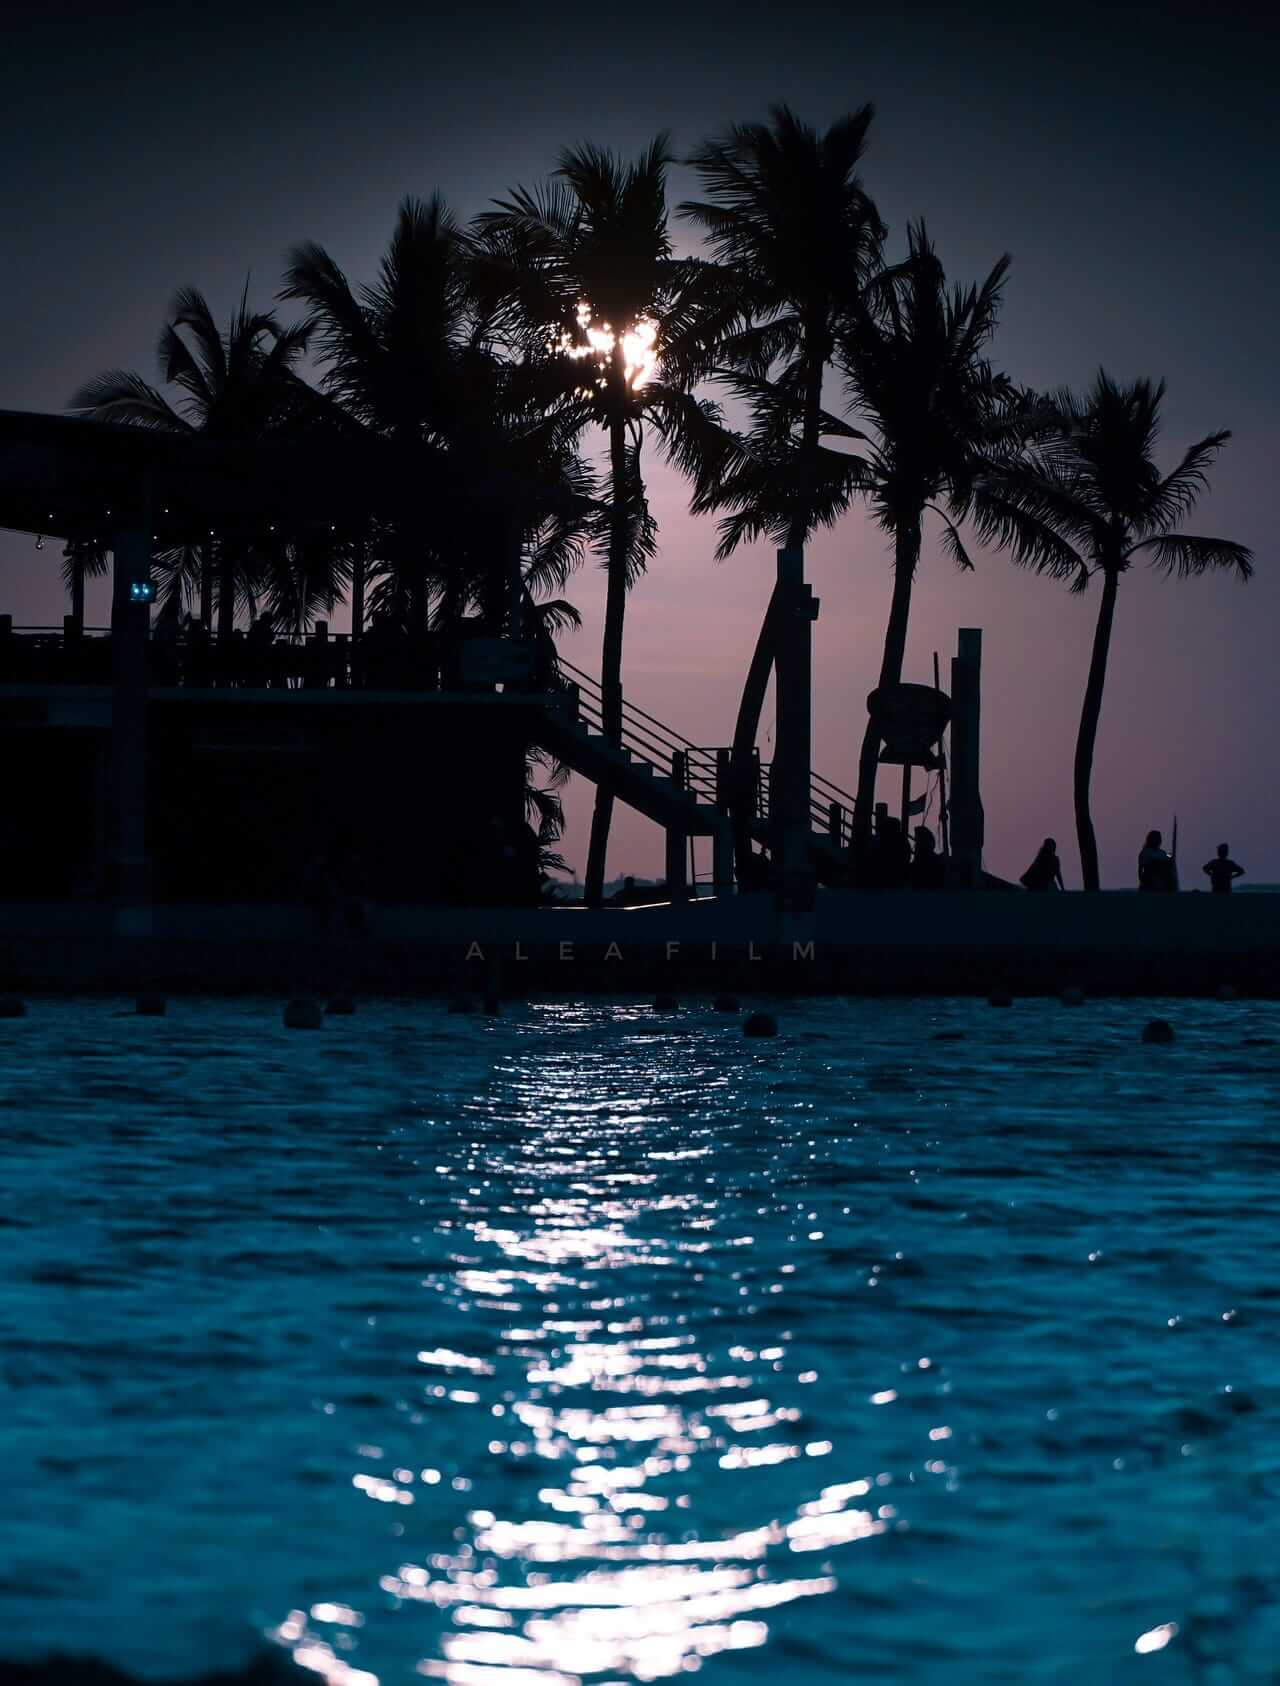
(142, 591)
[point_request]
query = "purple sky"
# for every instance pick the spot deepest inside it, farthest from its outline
(1128, 166)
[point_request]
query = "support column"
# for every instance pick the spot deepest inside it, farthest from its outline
(514, 539)
(677, 864)
(967, 824)
(791, 775)
(722, 858)
(129, 865)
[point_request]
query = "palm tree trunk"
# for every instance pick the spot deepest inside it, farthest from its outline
(810, 440)
(77, 593)
(611, 653)
(206, 587)
(419, 605)
(747, 727)
(1088, 734)
(357, 594)
(906, 556)
(226, 595)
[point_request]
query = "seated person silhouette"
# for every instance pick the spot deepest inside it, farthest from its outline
(927, 865)
(1222, 870)
(891, 855)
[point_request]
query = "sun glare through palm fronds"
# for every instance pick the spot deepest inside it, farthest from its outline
(639, 347)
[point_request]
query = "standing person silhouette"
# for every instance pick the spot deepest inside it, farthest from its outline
(1155, 868)
(1222, 870)
(1045, 872)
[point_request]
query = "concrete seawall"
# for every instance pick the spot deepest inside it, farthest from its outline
(855, 942)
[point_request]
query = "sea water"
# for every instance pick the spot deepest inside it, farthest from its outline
(589, 1343)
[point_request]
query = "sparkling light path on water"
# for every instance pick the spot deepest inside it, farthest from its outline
(590, 1345)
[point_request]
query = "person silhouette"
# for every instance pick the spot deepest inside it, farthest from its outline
(1155, 868)
(927, 866)
(1222, 870)
(893, 866)
(1045, 872)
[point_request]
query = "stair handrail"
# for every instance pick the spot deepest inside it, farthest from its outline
(630, 708)
(649, 738)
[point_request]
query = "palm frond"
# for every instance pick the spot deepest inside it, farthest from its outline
(1185, 554)
(1179, 492)
(121, 397)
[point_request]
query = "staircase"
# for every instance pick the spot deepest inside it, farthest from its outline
(682, 786)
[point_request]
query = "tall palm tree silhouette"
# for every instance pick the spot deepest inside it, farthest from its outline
(1093, 481)
(931, 414)
(581, 274)
(795, 236)
(237, 386)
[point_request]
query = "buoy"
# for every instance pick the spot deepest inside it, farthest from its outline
(999, 998)
(1072, 997)
(12, 1007)
(1227, 992)
(760, 1024)
(665, 1003)
(341, 1007)
(1158, 1030)
(726, 1004)
(150, 1006)
(462, 1004)
(303, 1015)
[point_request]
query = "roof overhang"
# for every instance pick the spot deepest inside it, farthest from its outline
(68, 477)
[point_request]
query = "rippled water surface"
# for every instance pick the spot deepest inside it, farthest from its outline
(928, 1343)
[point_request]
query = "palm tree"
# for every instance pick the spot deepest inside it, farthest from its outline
(81, 559)
(488, 473)
(1094, 483)
(391, 353)
(934, 412)
(581, 276)
(795, 237)
(235, 387)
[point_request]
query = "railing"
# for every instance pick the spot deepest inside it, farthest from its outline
(645, 739)
(190, 657)
(248, 660)
(705, 772)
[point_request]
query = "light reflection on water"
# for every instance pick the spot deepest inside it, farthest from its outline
(549, 1350)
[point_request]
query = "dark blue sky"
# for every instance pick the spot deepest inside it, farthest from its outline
(1125, 156)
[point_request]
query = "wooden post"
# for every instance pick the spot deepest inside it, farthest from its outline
(906, 796)
(966, 801)
(317, 666)
(679, 769)
(677, 864)
(514, 539)
(722, 857)
(724, 786)
(792, 768)
(358, 564)
(944, 817)
(835, 823)
(129, 866)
